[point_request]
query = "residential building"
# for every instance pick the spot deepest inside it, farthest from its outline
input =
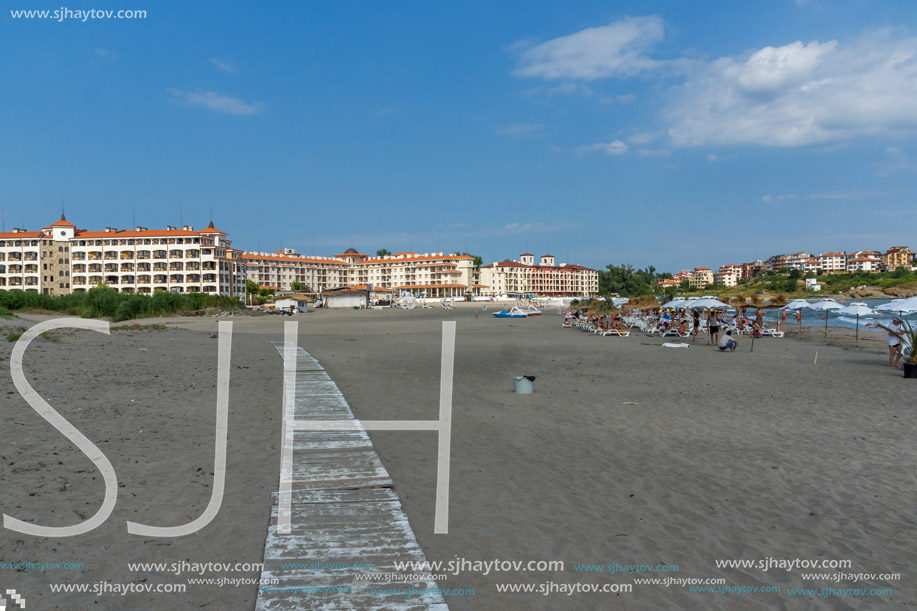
(752, 269)
(812, 266)
(833, 262)
(897, 256)
(546, 279)
(701, 277)
(141, 260)
(436, 274)
(729, 275)
(863, 264)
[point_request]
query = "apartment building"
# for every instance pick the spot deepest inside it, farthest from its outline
(729, 275)
(863, 264)
(545, 279)
(898, 256)
(436, 274)
(833, 262)
(702, 277)
(62, 259)
(797, 260)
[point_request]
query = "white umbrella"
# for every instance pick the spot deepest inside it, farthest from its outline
(858, 309)
(899, 305)
(710, 303)
(676, 303)
(796, 304)
(825, 305)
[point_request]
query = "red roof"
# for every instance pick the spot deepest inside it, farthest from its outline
(21, 234)
(63, 222)
(211, 229)
(414, 258)
(257, 257)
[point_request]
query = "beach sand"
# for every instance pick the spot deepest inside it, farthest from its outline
(626, 453)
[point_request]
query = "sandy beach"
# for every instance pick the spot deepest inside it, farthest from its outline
(626, 453)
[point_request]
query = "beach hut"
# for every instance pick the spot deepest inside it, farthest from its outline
(345, 298)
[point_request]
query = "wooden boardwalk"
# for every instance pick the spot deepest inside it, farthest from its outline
(344, 512)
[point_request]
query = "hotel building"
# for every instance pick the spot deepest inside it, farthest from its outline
(436, 274)
(546, 279)
(62, 259)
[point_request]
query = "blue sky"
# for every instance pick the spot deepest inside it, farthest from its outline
(667, 133)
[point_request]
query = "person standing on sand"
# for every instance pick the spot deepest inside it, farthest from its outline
(759, 318)
(713, 326)
(696, 322)
(782, 320)
(894, 343)
(798, 318)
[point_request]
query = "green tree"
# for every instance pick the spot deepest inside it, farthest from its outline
(251, 287)
(383, 252)
(477, 260)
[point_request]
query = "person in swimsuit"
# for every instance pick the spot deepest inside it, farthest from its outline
(894, 343)
(713, 326)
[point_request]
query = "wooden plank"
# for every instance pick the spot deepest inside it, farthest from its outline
(344, 512)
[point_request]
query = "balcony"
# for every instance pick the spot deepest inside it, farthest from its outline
(127, 280)
(143, 279)
(111, 267)
(143, 267)
(159, 254)
(143, 254)
(176, 266)
(81, 280)
(127, 267)
(127, 254)
(111, 256)
(78, 256)
(95, 255)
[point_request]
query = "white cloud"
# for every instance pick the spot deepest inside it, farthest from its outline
(615, 147)
(520, 130)
(216, 102)
(800, 94)
(778, 198)
(711, 157)
(617, 49)
(103, 53)
(222, 66)
(896, 161)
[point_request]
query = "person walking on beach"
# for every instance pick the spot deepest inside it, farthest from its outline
(696, 322)
(782, 320)
(713, 326)
(759, 318)
(894, 343)
(798, 318)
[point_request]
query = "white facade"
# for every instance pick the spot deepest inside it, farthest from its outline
(62, 259)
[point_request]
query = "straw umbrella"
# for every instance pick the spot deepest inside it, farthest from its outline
(644, 302)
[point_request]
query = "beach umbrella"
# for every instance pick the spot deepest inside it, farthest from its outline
(899, 305)
(600, 307)
(676, 303)
(825, 305)
(857, 309)
(796, 304)
(708, 303)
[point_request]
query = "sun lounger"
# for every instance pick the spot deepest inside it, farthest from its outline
(772, 333)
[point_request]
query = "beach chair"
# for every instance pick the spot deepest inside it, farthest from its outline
(615, 332)
(771, 333)
(567, 324)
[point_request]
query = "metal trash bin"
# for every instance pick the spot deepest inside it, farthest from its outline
(523, 385)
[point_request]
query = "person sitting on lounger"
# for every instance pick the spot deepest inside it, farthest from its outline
(726, 342)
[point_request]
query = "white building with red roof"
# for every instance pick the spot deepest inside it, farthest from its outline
(62, 259)
(546, 279)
